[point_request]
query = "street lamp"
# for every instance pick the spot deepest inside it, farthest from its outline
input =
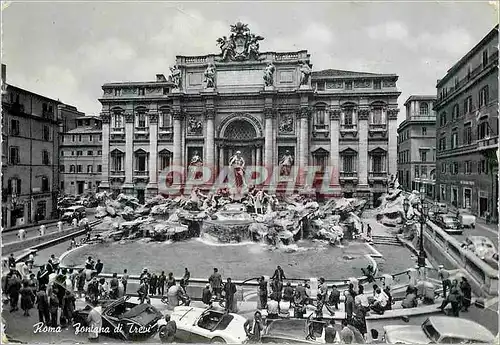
(423, 209)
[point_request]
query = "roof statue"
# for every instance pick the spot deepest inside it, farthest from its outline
(240, 45)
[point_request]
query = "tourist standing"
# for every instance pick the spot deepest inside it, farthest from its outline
(262, 292)
(143, 290)
(206, 295)
(13, 288)
(170, 280)
(113, 285)
(334, 298)
(99, 266)
(215, 281)
(229, 291)
(161, 283)
(125, 281)
(187, 276)
(26, 298)
(94, 320)
(444, 275)
(253, 328)
(299, 304)
(68, 306)
(349, 304)
(466, 290)
(12, 261)
(153, 284)
(53, 308)
(453, 298)
(279, 274)
(89, 264)
(330, 332)
(288, 293)
(346, 334)
(42, 304)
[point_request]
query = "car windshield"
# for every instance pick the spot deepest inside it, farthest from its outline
(430, 331)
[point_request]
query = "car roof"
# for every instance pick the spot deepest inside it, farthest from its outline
(290, 328)
(460, 328)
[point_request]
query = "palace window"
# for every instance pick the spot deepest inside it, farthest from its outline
(90, 153)
(483, 96)
(79, 168)
(348, 85)
(320, 158)
(141, 91)
(467, 134)
(79, 137)
(377, 116)
(141, 119)
(14, 127)
(454, 140)
(165, 158)
(14, 155)
(99, 152)
(417, 171)
(482, 167)
(61, 168)
(166, 120)
(46, 133)
(349, 117)
(424, 130)
(467, 167)
(423, 156)
(99, 168)
(349, 161)
(320, 118)
(377, 163)
(45, 157)
(71, 168)
(45, 184)
(485, 58)
(454, 168)
(117, 120)
(117, 161)
(442, 119)
(14, 186)
(442, 144)
(455, 113)
(483, 130)
(468, 105)
(79, 153)
(377, 84)
(424, 109)
(424, 171)
(91, 137)
(141, 160)
(443, 168)
(90, 169)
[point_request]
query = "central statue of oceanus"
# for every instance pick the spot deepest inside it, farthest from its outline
(237, 163)
(240, 45)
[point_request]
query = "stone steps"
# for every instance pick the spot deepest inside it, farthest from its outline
(386, 240)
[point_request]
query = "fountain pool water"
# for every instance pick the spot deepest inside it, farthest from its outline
(239, 261)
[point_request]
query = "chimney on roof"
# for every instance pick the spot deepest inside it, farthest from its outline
(160, 78)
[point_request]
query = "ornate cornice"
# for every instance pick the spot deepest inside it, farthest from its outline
(153, 117)
(269, 113)
(129, 117)
(392, 114)
(105, 117)
(363, 114)
(210, 113)
(335, 114)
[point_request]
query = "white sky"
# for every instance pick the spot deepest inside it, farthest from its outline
(67, 50)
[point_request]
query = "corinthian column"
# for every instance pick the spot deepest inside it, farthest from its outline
(334, 146)
(392, 131)
(210, 139)
(129, 150)
(177, 138)
(304, 137)
(268, 138)
(153, 151)
(363, 147)
(105, 152)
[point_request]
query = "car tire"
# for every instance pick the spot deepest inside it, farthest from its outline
(217, 340)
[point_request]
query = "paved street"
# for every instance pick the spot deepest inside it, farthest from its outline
(32, 231)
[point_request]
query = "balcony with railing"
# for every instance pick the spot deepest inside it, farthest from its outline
(487, 143)
(141, 173)
(378, 176)
(117, 130)
(166, 130)
(348, 130)
(348, 176)
(117, 173)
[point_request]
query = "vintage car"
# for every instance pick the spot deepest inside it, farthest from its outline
(300, 331)
(482, 246)
(440, 330)
(449, 224)
(73, 212)
(199, 325)
(123, 319)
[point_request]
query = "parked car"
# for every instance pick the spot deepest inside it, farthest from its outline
(449, 224)
(123, 319)
(299, 331)
(482, 246)
(440, 330)
(467, 220)
(73, 212)
(199, 325)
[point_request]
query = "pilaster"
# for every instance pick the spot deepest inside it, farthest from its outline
(153, 152)
(129, 152)
(269, 114)
(210, 138)
(334, 146)
(104, 185)
(363, 148)
(392, 142)
(304, 114)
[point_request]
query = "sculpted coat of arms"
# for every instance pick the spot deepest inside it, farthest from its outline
(241, 44)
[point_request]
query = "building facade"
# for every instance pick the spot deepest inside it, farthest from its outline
(467, 130)
(269, 106)
(417, 145)
(30, 143)
(80, 157)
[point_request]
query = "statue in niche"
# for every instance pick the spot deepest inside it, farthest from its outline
(286, 163)
(194, 126)
(175, 76)
(195, 163)
(210, 76)
(286, 124)
(305, 73)
(269, 74)
(238, 164)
